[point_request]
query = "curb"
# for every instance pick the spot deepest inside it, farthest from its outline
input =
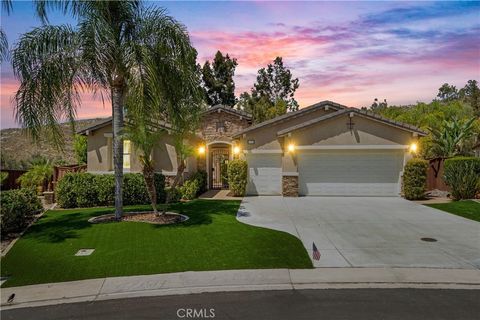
(238, 280)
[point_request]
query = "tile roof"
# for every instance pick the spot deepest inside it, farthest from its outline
(364, 113)
(292, 114)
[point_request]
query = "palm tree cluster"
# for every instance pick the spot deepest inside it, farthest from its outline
(136, 56)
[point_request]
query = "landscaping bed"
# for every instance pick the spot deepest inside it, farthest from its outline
(211, 239)
(149, 217)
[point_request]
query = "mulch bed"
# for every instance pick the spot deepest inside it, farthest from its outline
(149, 217)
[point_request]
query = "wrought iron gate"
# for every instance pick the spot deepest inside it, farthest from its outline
(218, 168)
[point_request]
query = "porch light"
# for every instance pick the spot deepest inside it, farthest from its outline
(413, 148)
(291, 147)
(236, 150)
(201, 150)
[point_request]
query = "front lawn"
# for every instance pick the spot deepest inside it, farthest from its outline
(212, 239)
(467, 209)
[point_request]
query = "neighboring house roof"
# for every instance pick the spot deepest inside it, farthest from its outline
(363, 113)
(294, 114)
(230, 110)
(102, 123)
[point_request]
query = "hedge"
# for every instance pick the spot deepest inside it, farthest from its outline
(17, 209)
(237, 176)
(88, 190)
(462, 175)
(201, 177)
(415, 179)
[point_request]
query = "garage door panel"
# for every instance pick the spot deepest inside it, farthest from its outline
(264, 174)
(355, 173)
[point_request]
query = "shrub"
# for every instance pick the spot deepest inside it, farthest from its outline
(237, 176)
(41, 171)
(173, 194)
(415, 179)
(189, 190)
(201, 177)
(80, 148)
(3, 176)
(105, 185)
(462, 175)
(87, 190)
(17, 209)
(66, 191)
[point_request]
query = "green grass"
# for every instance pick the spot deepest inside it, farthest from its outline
(212, 239)
(467, 209)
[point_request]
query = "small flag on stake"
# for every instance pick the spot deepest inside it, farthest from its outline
(316, 253)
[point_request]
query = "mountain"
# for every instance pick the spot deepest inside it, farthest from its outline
(17, 148)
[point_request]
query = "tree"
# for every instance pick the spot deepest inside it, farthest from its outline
(116, 48)
(7, 7)
(275, 83)
(471, 94)
(80, 148)
(447, 92)
(378, 105)
(144, 139)
(272, 94)
(218, 80)
(450, 140)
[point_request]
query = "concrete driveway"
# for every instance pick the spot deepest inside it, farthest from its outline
(369, 231)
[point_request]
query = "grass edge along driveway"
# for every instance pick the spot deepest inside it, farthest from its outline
(466, 208)
(212, 239)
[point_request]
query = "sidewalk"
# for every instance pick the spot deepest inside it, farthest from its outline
(238, 280)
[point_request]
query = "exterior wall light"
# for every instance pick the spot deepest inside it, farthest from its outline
(413, 148)
(201, 150)
(291, 147)
(236, 150)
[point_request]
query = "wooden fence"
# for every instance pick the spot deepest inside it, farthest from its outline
(58, 173)
(11, 181)
(435, 175)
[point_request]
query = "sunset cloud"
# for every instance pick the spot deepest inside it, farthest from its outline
(341, 51)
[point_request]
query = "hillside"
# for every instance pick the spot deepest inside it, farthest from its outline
(17, 148)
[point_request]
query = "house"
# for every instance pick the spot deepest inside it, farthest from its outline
(323, 149)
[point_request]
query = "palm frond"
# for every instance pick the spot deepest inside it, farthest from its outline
(46, 62)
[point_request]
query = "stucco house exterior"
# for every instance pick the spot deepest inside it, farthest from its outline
(323, 149)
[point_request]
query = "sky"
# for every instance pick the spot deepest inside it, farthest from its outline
(347, 52)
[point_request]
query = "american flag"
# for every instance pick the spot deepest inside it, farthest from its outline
(316, 253)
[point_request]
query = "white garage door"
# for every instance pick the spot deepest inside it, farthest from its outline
(351, 173)
(264, 174)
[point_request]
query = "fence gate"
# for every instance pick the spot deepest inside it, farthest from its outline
(218, 168)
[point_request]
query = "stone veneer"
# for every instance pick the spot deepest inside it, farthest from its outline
(290, 186)
(231, 125)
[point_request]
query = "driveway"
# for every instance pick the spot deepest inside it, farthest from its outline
(369, 231)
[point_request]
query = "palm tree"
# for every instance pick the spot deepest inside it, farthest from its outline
(7, 7)
(117, 49)
(144, 138)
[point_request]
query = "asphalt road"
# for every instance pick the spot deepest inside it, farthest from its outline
(330, 304)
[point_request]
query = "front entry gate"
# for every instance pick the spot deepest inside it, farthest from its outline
(218, 168)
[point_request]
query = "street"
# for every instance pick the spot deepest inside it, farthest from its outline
(329, 304)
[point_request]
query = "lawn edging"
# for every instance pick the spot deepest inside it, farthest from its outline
(238, 280)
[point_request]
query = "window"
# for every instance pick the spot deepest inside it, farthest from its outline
(127, 147)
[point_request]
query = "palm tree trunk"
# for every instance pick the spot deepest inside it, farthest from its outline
(178, 177)
(118, 102)
(149, 177)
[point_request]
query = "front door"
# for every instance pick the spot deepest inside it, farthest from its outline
(218, 168)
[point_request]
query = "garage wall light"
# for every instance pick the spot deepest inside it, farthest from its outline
(291, 147)
(413, 148)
